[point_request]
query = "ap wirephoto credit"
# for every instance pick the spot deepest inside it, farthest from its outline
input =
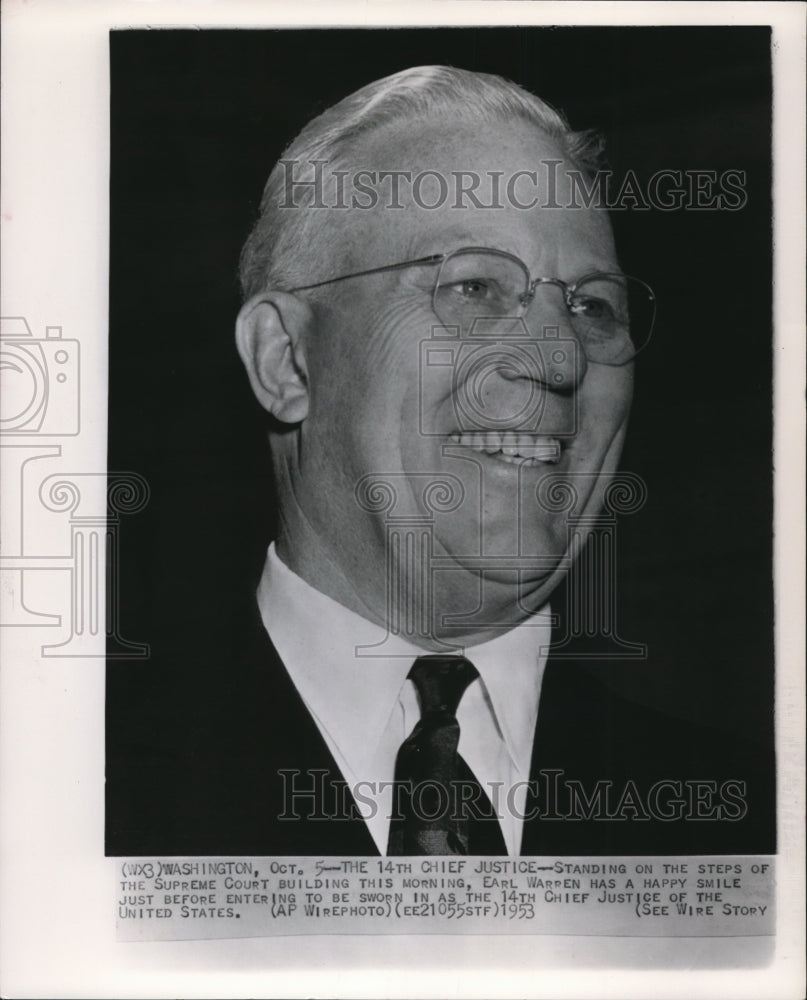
(446, 355)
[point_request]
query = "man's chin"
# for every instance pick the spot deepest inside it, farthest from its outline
(531, 551)
(501, 587)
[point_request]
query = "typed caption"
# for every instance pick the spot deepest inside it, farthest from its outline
(188, 898)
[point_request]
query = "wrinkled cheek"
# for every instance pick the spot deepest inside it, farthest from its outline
(610, 404)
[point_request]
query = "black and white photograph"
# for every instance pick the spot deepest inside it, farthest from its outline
(427, 570)
(458, 441)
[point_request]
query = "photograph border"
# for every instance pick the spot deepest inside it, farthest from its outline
(58, 889)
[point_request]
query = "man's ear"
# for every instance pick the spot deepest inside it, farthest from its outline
(269, 335)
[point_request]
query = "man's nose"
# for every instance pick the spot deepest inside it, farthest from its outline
(559, 359)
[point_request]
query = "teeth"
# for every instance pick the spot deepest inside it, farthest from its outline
(511, 446)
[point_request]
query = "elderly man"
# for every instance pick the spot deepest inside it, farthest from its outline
(437, 323)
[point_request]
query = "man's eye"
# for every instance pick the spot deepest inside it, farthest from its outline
(473, 288)
(597, 310)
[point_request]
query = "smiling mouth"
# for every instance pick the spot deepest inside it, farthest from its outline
(513, 447)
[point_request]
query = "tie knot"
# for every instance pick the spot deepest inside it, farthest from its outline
(441, 682)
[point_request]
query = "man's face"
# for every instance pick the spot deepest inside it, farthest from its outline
(380, 409)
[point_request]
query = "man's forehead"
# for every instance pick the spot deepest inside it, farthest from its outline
(457, 144)
(439, 185)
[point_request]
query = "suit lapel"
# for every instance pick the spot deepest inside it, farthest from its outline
(310, 809)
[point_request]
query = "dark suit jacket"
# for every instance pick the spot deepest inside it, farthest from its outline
(202, 758)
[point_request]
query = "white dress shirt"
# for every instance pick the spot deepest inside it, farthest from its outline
(365, 706)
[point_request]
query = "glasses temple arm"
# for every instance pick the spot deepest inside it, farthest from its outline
(432, 259)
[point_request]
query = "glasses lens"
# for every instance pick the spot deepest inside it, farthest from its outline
(612, 316)
(473, 284)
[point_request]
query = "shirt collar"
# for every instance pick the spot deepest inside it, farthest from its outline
(511, 666)
(330, 651)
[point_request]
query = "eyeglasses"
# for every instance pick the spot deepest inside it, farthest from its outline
(611, 314)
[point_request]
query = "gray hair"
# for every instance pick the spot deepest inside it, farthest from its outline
(276, 253)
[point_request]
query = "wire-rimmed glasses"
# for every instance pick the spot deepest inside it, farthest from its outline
(611, 314)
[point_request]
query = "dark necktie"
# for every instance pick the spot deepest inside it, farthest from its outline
(439, 807)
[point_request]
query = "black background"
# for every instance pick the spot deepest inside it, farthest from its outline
(197, 120)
